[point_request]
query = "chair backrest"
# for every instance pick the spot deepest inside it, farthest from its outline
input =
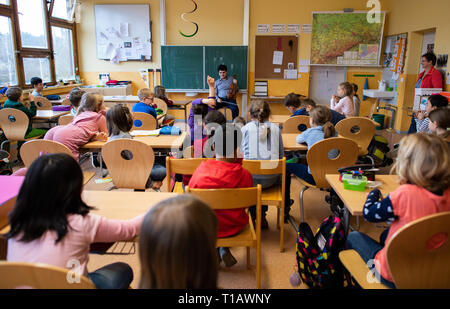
(147, 121)
(129, 162)
(365, 134)
(66, 119)
(14, 123)
(66, 101)
(296, 124)
(320, 164)
(182, 166)
(42, 103)
(418, 254)
(40, 276)
(31, 150)
(161, 104)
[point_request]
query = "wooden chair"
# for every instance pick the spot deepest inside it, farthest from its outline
(40, 276)
(126, 172)
(14, 124)
(412, 264)
(250, 236)
(292, 124)
(42, 103)
(363, 137)
(64, 120)
(320, 164)
(161, 105)
(148, 122)
(275, 195)
(181, 166)
(66, 101)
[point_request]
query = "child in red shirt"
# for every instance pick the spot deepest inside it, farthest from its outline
(225, 172)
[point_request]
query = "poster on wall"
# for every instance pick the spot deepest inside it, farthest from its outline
(345, 39)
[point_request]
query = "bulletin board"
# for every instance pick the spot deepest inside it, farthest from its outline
(123, 32)
(265, 48)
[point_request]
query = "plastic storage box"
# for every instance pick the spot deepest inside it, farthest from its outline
(355, 183)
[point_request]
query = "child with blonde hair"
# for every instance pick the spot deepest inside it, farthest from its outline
(88, 124)
(185, 257)
(145, 104)
(343, 101)
(423, 172)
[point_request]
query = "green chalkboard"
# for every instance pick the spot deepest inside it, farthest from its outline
(234, 57)
(186, 67)
(182, 67)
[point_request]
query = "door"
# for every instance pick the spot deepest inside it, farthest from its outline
(324, 82)
(427, 45)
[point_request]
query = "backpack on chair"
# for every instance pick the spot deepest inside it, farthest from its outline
(318, 255)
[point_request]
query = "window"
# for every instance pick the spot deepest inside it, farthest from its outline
(32, 23)
(63, 53)
(37, 38)
(7, 58)
(63, 9)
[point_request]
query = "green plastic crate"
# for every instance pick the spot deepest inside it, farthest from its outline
(355, 184)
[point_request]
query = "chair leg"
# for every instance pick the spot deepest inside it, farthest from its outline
(278, 218)
(302, 211)
(282, 228)
(248, 257)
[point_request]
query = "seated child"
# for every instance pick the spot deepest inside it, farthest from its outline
(321, 128)
(58, 228)
(420, 118)
(160, 93)
(356, 100)
(199, 112)
(119, 122)
(75, 97)
(89, 124)
(146, 104)
(343, 101)
(424, 176)
(15, 100)
(335, 116)
(296, 106)
(186, 257)
(439, 123)
(225, 172)
(38, 86)
(261, 140)
(210, 102)
(239, 121)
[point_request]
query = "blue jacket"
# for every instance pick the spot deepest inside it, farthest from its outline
(143, 108)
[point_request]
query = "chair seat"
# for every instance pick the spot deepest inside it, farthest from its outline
(359, 270)
(362, 152)
(307, 184)
(87, 176)
(245, 238)
(272, 196)
(178, 187)
(34, 137)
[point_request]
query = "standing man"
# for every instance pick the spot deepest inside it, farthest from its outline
(226, 88)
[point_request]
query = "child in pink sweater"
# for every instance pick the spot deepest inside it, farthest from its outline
(89, 124)
(343, 102)
(57, 228)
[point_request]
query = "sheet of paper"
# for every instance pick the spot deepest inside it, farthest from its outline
(145, 132)
(303, 69)
(124, 27)
(448, 78)
(277, 70)
(307, 28)
(278, 57)
(304, 62)
(290, 74)
(278, 28)
(263, 28)
(293, 28)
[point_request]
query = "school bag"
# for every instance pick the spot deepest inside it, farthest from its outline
(377, 150)
(318, 255)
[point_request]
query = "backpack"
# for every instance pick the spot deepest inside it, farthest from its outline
(377, 150)
(318, 255)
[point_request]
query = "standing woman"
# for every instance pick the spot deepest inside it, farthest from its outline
(429, 78)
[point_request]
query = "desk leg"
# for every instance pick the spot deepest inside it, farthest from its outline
(346, 221)
(293, 223)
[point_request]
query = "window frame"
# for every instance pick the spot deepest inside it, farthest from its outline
(11, 11)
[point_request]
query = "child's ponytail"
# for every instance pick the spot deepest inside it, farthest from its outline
(328, 130)
(321, 116)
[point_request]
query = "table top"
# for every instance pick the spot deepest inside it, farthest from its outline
(160, 141)
(279, 119)
(49, 114)
(121, 98)
(123, 205)
(290, 143)
(267, 98)
(354, 200)
(181, 102)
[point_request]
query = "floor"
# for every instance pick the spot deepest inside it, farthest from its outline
(276, 267)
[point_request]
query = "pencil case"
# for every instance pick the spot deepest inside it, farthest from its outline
(61, 108)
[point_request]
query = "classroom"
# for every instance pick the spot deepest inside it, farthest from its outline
(144, 145)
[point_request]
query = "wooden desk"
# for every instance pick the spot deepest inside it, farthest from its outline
(354, 200)
(9, 188)
(180, 105)
(49, 114)
(290, 143)
(123, 205)
(128, 100)
(279, 119)
(269, 99)
(161, 141)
